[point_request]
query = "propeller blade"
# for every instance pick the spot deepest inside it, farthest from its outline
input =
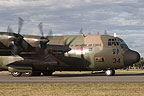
(71, 41)
(67, 44)
(44, 40)
(81, 31)
(40, 26)
(9, 29)
(20, 24)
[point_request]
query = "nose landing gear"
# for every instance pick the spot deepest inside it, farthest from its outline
(110, 72)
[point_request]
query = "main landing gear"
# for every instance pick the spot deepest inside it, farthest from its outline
(16, 74)
(33, 73)
(110, 72)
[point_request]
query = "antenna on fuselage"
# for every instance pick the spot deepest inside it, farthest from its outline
(115, 35)
(105, 32)
(81, 32)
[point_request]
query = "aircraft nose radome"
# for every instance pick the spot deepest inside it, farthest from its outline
(131, 57)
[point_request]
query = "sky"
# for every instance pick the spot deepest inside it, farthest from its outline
(67, 17)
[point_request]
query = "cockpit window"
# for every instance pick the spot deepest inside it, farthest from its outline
(113, 42)
(117, 42)
(123, 44)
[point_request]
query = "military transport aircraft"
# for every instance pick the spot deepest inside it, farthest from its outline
(33, 55)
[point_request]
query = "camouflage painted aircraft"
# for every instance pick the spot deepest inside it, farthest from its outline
(33, 55)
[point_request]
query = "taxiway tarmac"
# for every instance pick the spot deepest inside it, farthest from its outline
(75, 78)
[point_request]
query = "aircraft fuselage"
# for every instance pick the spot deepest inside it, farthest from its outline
(90, 52)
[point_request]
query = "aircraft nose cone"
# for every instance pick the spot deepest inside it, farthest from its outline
(131, 57)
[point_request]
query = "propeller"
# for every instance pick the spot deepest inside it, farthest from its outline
(18, 39)
(44, 40)
(19, 43)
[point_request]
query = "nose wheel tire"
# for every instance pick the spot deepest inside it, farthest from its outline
(16, 74)
(110, 72)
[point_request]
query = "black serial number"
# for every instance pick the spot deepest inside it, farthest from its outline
(116, 60)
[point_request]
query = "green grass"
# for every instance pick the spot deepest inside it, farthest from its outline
(87, 89)
(71, 89)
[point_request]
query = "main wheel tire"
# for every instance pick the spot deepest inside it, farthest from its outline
(47, 73)
(16, 74)
(110, 72)
(34, 73)
(28, 73)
